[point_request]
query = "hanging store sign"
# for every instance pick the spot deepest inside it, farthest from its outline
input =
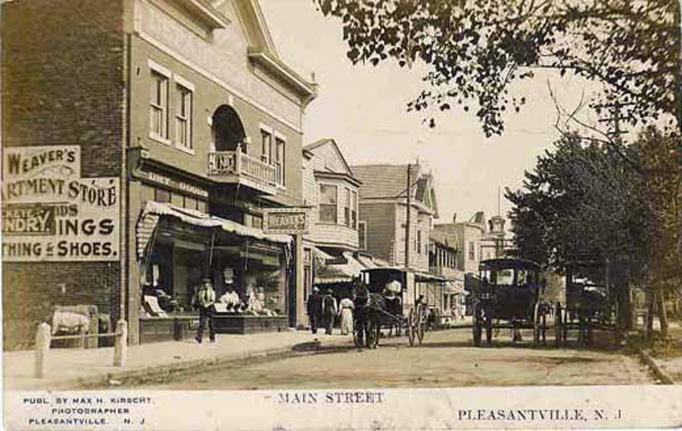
(289, 221)
(50, 213)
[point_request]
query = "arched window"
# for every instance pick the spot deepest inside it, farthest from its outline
(228, 130)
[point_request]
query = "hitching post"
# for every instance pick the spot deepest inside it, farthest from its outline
(42, 349)
(121, 344)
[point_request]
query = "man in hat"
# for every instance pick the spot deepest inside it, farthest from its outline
(314, 308)
(204, 300)
(329, 308)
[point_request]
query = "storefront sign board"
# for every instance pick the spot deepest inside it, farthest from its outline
(174, 184)
(290, 221)
(50, 213)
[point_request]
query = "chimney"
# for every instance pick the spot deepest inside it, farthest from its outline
(454, 217)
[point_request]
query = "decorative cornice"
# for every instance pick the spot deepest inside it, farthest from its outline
(204, 12)
(338, 175)
(306, 90)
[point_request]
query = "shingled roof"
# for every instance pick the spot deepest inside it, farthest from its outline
(384, 181)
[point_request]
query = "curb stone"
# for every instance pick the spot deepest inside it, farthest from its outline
(655, 368)
(124, 377)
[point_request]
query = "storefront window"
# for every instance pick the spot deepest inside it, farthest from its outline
(177, 200)
(162, 196)
(172, 275)
(190, 203)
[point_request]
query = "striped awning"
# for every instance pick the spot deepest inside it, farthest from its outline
(154, 210)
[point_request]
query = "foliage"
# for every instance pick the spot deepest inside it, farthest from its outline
(587, 200)
(474, 50)
(579, 202)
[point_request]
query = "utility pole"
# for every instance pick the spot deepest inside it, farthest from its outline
(619, 294)
(407, 222)
(614, 108)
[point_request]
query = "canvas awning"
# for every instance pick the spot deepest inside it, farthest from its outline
(453, 288)
(343, 272)
(154, 210)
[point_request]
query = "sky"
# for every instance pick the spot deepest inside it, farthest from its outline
(364, 108)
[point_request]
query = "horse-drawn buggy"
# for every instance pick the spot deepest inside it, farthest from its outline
(589, 303)
(509, 294)
(386, 298)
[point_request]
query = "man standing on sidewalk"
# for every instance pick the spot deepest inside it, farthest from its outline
(204, 300)
(330, 309)
(314, 309)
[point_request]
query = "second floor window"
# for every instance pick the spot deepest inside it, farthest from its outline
(472, 251)
(346, 207)
(354, 209)
(328, 200)
(158, 105)
(362, 235)
(419, 242)
(279, 159)
(183, 117)
(266, 140)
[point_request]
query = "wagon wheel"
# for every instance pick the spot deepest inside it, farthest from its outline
(537, 323)
(357, 335)
(558, 325)
(410, 328)
(477, 323)
(489, 331)
(373, 330)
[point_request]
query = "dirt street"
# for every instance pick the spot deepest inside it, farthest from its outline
(446, 359)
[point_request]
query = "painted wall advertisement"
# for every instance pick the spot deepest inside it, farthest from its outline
(50, 213)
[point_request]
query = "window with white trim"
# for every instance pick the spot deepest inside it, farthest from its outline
(419, 242)
(266, 146)
(328, 203)
(354, 209)
(183, 116)
(362, 235)
(158, 105)
(280, 147)
(346, 207)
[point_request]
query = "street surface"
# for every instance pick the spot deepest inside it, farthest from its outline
(446, 359)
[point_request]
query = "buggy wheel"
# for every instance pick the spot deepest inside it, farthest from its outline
(558, 325)
(477, 326)
(357, 335)
(537, 323)
(410, 328)
(373, 330)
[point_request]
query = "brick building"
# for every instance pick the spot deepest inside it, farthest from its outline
(187, 112)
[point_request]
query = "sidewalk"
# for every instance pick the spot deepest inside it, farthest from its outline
(72, 368)
(671, 363)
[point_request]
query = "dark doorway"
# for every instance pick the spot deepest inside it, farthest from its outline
(228, 130)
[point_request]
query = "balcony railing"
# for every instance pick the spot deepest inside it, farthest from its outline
(237, 165)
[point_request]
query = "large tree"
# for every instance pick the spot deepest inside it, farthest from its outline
(474, 50)
(584, 198)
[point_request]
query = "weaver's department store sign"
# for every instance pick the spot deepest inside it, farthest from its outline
(50, 213)
(285, 221)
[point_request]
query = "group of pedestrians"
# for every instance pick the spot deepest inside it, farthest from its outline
(324, 309)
